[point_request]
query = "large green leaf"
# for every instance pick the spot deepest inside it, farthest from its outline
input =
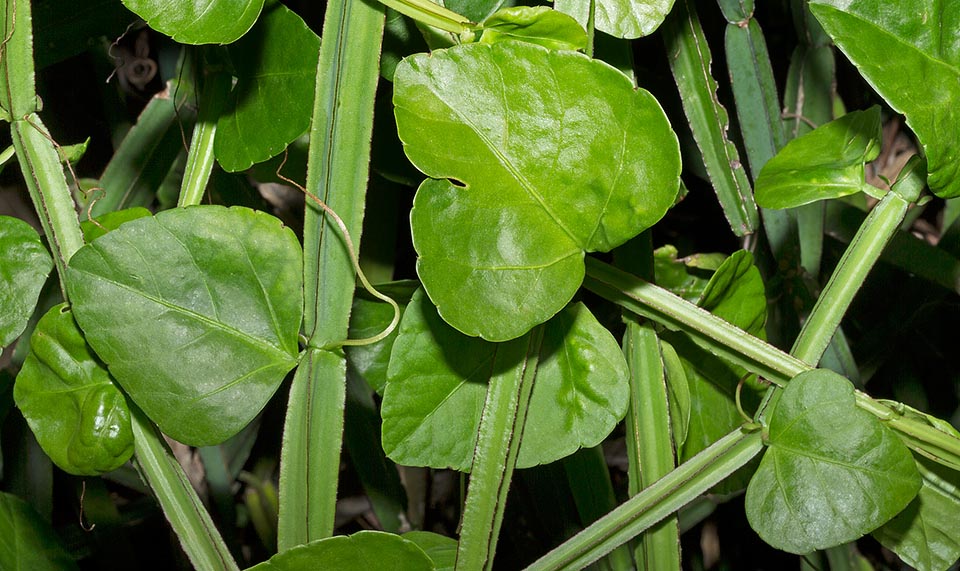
(196, 311)
(909, 52)
(362, 550)
(438, 383)
(538, 156)
(80, 418)
(631, 18)
(199, 21)
(24, 266)
(827, 162)
(27, 541)
(925, 534)
(832, 472)
(271, 105)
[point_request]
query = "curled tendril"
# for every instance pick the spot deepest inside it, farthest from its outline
(356, 266)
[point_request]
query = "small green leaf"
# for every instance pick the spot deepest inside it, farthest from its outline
(537, 25)
(678, 393)
(199, 21)
(25, 264)
(687, 276)
(631, 18)
(80, 418)
(737, 294)
(110, 221)
(369, 317)
(827, 162)
(832, 472)
(27, 541)
(438, 382)
(908, 52)
(362, 550)
(442, 550)
(196, 311)
(271, 105)
(557, 154)
(925, 534)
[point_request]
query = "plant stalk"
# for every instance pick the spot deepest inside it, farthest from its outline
(201, 159)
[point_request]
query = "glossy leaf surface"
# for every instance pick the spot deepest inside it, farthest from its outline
(80, 418)
(362, 550)
(27, 541)
(438, 382)
(827, 162)
(199, 21)
(196, 311)
(25, 264)
(925, 534)
(554, 153)
(631, 18)
(831, 473)
(909, 52)
(271, 105)
(538, 25)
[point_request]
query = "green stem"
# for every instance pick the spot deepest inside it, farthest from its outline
(200, 159)
(337, 168)
(183, 508)
(864, 251)
(432, 14)
(664, 497)
(498, 443)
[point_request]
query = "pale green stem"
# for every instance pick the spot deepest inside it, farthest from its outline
(201, 159)
(183, 508)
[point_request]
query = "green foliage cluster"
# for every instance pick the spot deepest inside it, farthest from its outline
(162, 301)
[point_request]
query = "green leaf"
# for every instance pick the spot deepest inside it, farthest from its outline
(196, 311)
(271, 105)
(537, 25)
(80, 418)
(925, 534)
(110, 221)
(199, 21)
(28, 542)
(687, 276)
(908, 52)
(736, 293)
(25, 264)
(630, 18)
(442, 550)
(557, 154)
(438, 383)
(832, 472)
(362, 550)
(827, 162)
(369, 317)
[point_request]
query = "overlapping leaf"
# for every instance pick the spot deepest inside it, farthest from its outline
(80, 418)
(538, 156)
(196, 312)
(362, 550)
(538, 25)
(831, 473)
(438, 382)
(24, 266)
(909, 51)
(631, 18)
(271, 105)
(827, 162)
(199, 21)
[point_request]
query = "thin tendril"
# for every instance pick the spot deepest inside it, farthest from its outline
(83, 492)
(100, 192)
(356, 266)
(737, 398)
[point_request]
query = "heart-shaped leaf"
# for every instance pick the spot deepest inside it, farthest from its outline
(196, 311)
(80, 418)
(535, 24)
(925, 534)
(908, 52)
(827, 162)
(198, 21)
(362, 550)
(831, 473)
(271, 105)
(438, 383)
(557, 154)
(24, 266)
